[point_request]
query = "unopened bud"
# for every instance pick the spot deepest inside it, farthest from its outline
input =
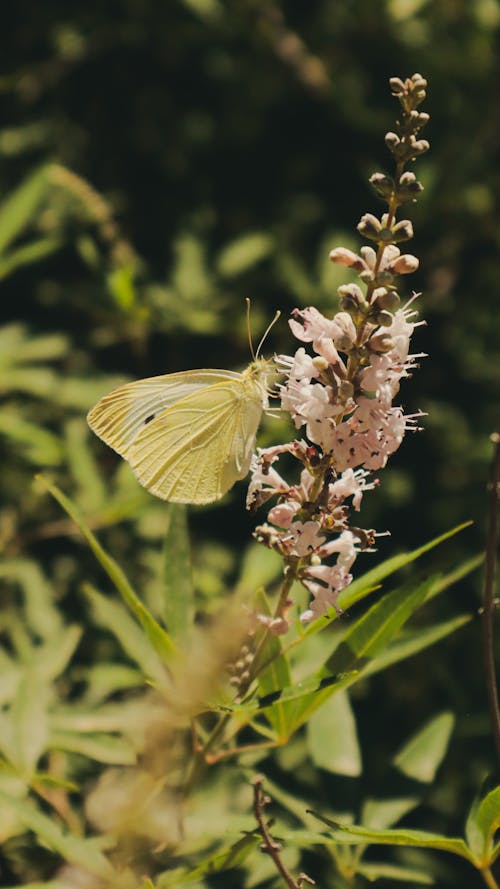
(343, 344)
(405, 264)
(383, 319)
(346, 390)
(315, 559)
(389, 301)
(351, 295)
(320, 363)
(402, 231)
(378, 294)
(381, 343)
(343, 256)
(392, 140)
(397, 86)
(383, 185)
(369, 226)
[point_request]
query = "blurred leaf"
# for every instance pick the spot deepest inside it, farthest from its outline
(226, 859)
(422, 755)
(81, 852)
(41, 614)
(259, 568)
(158, 637)
(332, 738)
(30, 721)
(382, 813)
(113, 616)
(108, 749)
(18, 209)
(373, 871)
(243, 253)
(178, 601)
(37, 445)
(28, 254)
(91, 489)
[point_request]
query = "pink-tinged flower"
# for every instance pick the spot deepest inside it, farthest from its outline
(283, 514)
(324, 582)
(345, 546)
(311, 325)
(350, 484)
(277, 626)
(304, 538)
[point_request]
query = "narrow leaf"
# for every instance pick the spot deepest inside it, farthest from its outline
(348, 833)
(19, 207)
(177, 580)
(108, 749)
(156, 634)
(274, 677)
(382, 813)
(377, 871)
(422, 755)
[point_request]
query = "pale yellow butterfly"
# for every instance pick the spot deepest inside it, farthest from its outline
(187, 436)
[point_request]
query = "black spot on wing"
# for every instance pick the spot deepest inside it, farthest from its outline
(148, 419)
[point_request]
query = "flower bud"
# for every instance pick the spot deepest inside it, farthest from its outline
(397, 86)
(389, 301)
(405, 264)
(351, 297)
(320, 363)
(346, 390)
(392, 140)
(381, 343)
(369, 226)
(315, 559)
(343, 256)
(383, 319)
(402, 231)
(378, 294)
(343, 344)
(383, 185)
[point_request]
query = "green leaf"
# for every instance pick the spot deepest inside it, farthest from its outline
(41, 614)
(19, 207)
(28, 254)
(376, 628)
(332, 738)
(29, 721)
(83, 853)
(274, 677)
(373, 871)
(308, 689)
(224, 859)
(243, 253)
(353, 835)
(370, 581)
(382, 813)
(411, 643)
(160, 640)
(422, 755)
(114, 617)
(108, 749)
(177, 579)
(482, 824)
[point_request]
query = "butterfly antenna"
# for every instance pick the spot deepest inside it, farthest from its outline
(249, 332)
(268, 328)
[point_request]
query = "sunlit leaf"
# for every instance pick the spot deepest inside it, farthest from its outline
(178, 599)
(422, 755)
(332, 738)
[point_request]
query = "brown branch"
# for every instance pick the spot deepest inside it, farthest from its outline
(270, 846)
(488, 611)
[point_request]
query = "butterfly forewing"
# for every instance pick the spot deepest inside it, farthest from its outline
(196, 449)
(119, 417)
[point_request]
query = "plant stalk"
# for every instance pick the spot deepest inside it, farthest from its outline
(489, 606)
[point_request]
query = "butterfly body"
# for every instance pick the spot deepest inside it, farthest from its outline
(187, 436)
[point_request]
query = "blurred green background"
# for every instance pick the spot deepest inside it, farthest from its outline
(160, 161)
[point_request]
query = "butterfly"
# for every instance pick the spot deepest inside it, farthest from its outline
(187, 436)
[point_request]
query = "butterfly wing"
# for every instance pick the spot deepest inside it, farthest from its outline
(200, 446)
(119, 417)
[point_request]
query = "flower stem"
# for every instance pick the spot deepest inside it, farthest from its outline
(488, 878)
(488, 613)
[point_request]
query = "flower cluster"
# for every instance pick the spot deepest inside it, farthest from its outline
(340, 393)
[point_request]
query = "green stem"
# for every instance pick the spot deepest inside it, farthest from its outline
(488, 614)
(488, 878)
